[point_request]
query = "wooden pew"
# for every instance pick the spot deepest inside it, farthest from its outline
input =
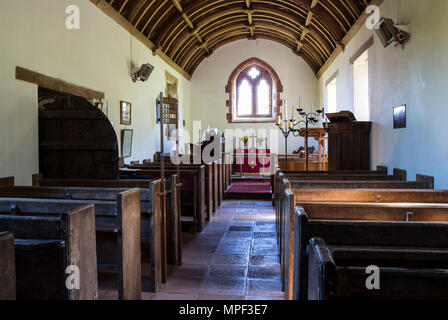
(154, 226)
(192, 192)
(218, 174)
(387, 225)
(284, 210)
(208, 178)
(7, 267)
(276, 179)
(406, 273)
(105, 196)
(49, 238)
(291, 198)
(117, 233)
(228, 165)
(221, 189)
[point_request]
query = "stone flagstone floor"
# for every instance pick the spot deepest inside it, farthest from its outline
(234, 258)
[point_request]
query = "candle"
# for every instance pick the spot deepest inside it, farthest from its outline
(282, 125)
(279, 120)
(286, 108)
(291, 125)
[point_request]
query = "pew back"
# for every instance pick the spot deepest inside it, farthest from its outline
(154, 227)
(370, 196)
(48, 240)
(117, 230)
(7, 267)
(406, 273)
(359, 233)
(192, 192)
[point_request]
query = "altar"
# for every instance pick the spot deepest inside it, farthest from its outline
(252, 161)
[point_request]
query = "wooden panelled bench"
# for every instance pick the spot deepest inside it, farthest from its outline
(227, 161)
(276, 179)
(364, 225)
(207, 177)
(49, 238)
(406, 273)
(153, 220)
(377, 182)
(217, 171)
(289, 199)
(7, 267)
(192, 193)
(107, 226)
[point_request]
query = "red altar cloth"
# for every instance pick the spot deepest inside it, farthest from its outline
(252, 161)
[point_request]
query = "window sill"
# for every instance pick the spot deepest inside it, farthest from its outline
(253, 121)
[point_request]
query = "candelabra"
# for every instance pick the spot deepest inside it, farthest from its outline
(294, 126)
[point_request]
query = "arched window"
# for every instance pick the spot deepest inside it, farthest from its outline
(254, 90)
(245, 98)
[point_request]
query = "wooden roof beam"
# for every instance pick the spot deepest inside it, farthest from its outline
(122, 6)
(308, 19)
(299, 45)
(249, 13)
(304, 34)
(108, 10)
(349, 36)
(178, 5)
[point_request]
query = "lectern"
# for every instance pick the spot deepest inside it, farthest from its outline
(348, 142)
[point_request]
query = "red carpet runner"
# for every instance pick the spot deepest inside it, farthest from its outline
(250, 187)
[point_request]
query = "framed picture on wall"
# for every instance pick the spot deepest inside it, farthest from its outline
(400, 117)
(126, 142)
(125, 113)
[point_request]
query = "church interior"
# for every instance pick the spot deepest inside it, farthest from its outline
(270, 150)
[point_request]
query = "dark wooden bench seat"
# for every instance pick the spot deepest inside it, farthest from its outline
(211, 181)
(48, 239)
(117, 227)
(160, 231)
(343, 229)
(406, 273)
(217, 170)
(192, 192)
(279, 175)
(291, 198)
(7, 267)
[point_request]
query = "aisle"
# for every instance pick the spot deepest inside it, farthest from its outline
(235, 257)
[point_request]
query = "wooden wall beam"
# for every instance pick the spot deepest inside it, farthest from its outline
(56, 84)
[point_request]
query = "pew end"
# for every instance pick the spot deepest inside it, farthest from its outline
(427, 179)
(7, 182)
(48, 240)
(403, 174)
(7, 267)
(382, 169)
(35, 178)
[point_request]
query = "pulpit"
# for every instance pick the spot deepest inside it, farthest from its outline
(348, 142)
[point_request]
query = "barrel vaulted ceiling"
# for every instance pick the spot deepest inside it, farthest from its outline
(188, 31)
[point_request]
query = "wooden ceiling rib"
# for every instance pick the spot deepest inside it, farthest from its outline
(185, 32)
